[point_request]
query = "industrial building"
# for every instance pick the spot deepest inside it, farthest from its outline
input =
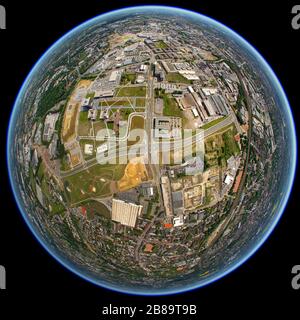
(104, 114)
(167, 127)
(115, 77)
(178, 221)
(204, 105)
(92, 114)
(158, 72)
(49, 126)
(108, 93)
(216, 105)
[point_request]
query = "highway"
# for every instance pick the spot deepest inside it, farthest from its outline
(124, 151)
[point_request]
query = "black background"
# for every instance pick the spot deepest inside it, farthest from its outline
(36, 284)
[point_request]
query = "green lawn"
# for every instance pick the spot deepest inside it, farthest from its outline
(83, 116)
(125, 113)
(84, 124)
(171, 107)
(140, 102)
(40, 172)
(128, 78)
(110, 125)
(57, 208)
(95, 207)
(230, 145)
(177, 78)
(90, 95)
(137, 122)
(220, 147)
(160, 44)
(82, 183)
(132, 92)
(116, 103)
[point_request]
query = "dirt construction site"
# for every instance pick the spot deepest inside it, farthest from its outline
(71, 113)
(135, 174)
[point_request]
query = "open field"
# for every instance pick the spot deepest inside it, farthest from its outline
(75, 155)
(117, 102)
(220, 147)
(171, 107)
(84, 125)
(177, 78)
(125, 113)
(94, 207)
(137, 122)
(128, 78)
(69, 125)
(230, 145)
(117, 39)
(93, 182)
(98, 125)
(206, 55)
(140, 102)
(139, 91)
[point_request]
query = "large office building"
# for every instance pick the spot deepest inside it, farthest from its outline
(125, 213)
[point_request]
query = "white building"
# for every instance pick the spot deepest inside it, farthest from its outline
(102, 148)
(229, 179)
(125, 213)
(178, 221)
(88, 149)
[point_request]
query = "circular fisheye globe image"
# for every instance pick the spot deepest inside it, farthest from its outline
(151, 150)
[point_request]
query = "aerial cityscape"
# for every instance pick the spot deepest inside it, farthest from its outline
(150, 151)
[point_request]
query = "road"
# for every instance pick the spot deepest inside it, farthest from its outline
(123, 152)
(143, 237)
